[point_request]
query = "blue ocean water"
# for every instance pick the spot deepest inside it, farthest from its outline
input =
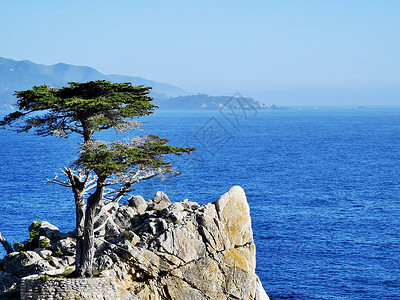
(323, 187)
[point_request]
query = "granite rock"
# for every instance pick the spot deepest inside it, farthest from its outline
(162, 250)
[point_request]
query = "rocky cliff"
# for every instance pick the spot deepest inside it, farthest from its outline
(156, 249)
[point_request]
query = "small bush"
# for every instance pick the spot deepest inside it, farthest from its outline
(33, 241)
(43, 243)
(67, 272)
(44, 278)
(58, 253)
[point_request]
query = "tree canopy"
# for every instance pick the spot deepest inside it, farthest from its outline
(82, 108)
(109, 168)
(146, 152)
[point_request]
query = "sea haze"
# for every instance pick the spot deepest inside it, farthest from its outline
(323, 188)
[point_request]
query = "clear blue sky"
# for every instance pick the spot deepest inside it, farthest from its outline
(286, 52)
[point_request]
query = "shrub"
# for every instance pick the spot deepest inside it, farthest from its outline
(33, 241)
(44, 278)
(43, 243)
(67, 272)
(58, 253)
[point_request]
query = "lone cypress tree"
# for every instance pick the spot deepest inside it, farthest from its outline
(109, 168)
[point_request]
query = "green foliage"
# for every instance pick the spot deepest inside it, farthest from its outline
(84, 108)
(79, 108)
(44, 278)
(44, 243)
(33, 241)
(20, 245)
(67, 272)
(58, 253)
(112, 158)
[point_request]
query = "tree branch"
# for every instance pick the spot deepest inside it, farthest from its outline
(66, 183)
(110, 206)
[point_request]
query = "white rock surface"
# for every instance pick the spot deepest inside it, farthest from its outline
(161, 250)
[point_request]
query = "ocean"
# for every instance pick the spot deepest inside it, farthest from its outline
(323, 187)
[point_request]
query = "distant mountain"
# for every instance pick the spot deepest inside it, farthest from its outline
(22, 75)
(206, 102)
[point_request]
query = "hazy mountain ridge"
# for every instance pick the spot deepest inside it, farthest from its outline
(22, 75)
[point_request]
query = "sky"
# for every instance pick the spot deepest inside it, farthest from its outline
(284, 52)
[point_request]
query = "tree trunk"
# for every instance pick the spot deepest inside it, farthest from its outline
(9, 249)
(86, 257)
(87, 133)
(80, 218)
(78, 188)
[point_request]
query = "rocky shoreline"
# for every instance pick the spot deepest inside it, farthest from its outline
(152, 249)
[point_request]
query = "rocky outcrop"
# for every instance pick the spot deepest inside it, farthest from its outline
(157, 249)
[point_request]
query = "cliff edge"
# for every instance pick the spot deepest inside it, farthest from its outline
(156, 249)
